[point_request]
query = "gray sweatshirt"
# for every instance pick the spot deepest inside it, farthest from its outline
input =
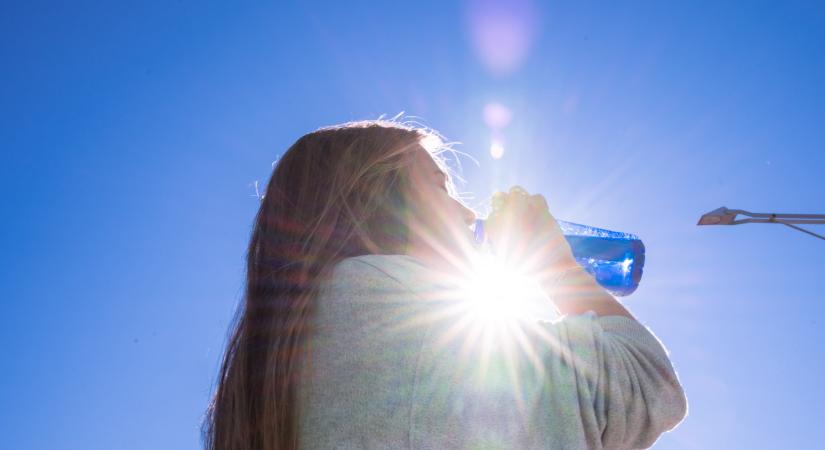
(397, 362)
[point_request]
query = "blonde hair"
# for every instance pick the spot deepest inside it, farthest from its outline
(337, 192)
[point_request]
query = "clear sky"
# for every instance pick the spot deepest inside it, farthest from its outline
(132, 136)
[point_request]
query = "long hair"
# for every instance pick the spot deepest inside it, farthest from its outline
(337, 192)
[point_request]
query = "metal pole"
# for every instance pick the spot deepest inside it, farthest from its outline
(802, 230)
(818, 219)
(725, 216)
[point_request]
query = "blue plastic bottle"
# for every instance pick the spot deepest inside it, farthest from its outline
(615, 259)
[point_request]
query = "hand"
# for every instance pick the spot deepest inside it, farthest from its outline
(523, 232)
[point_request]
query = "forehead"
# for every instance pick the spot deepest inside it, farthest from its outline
(425, 163)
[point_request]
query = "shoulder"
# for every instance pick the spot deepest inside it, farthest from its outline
(393, 269)
(376, 267)
(391, 274)
(378, 274)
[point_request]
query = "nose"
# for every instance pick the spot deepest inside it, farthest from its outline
(468, 214)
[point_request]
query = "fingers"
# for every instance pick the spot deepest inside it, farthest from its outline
(516, 221)
(523, 230)
(498, 201)
(539, 202)
(518, 190)
(516, 195)
(517, 199)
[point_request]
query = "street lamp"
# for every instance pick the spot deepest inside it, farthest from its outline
(725, 216)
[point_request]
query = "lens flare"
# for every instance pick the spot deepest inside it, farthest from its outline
(496, 150)
(496, 115)
(502, 32)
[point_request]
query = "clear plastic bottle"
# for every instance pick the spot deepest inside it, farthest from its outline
(615, 259)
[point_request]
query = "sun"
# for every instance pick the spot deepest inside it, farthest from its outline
(495, 294)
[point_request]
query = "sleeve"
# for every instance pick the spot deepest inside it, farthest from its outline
(617, 374)
(637, 395)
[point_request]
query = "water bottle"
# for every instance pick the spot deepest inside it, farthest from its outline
(613, 258)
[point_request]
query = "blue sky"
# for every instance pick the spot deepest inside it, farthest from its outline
(132, 136)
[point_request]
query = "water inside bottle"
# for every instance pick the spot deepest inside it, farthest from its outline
(615, 259)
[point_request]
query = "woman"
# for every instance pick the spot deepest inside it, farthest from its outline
(356, 330)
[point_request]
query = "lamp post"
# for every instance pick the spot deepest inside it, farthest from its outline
(725, 216)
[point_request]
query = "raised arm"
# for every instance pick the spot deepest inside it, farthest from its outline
(524, 232)
(574, 291)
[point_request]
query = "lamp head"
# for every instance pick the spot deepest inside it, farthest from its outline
(719, 216)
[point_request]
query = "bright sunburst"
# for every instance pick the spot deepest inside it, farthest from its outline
(495, 293)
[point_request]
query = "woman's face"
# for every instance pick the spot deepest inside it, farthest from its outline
(438, 222)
